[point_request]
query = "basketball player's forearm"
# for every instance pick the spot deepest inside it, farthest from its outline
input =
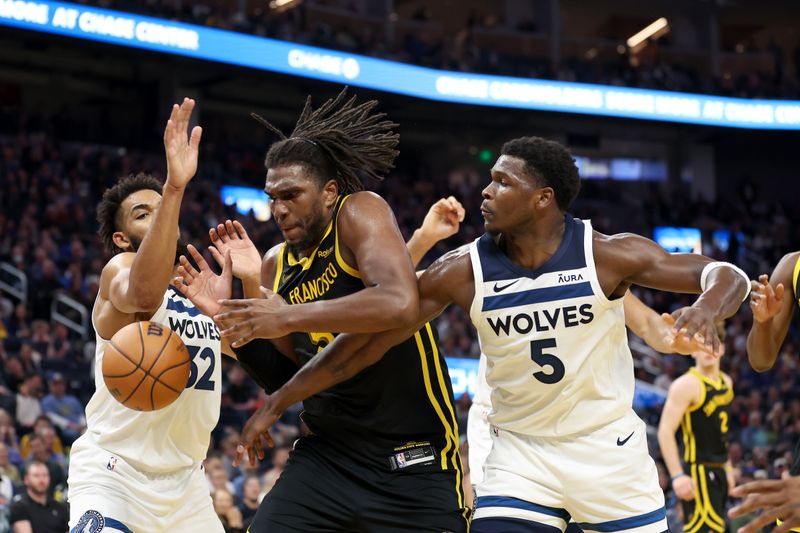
(154, 263)
(762, 350)
(724, 294)
(369, 310)
(669, 452)
(418, 245)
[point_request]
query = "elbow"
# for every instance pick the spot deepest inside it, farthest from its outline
(146, 300)
(761, 366)
(406, 309)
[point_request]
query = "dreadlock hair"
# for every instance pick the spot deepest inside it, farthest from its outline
(339, 140)
(550, 163)
(108, 209)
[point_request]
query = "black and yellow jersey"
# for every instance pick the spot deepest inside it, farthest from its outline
(795, 470)
(404, 398)
(704, 425)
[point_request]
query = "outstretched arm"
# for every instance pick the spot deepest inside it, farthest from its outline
(772, 302)
(448, 280)
(656, 330)
(631, 259)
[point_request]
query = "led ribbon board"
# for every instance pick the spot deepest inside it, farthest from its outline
(210, 44)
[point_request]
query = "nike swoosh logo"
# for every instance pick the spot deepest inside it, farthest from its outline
(622, 442)
(498, 288)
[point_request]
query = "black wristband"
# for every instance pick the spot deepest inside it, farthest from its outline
(265, 364)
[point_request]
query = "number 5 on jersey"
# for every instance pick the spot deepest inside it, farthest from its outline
(544, 360)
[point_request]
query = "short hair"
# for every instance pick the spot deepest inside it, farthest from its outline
(550, 163)
(339, 140)
(34, 462)
(108, 208)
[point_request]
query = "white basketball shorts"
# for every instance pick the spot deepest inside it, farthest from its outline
(604, 480)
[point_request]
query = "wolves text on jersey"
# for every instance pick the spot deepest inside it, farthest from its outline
(545, 320)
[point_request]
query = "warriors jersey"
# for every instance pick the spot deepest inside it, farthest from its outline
(556, 350)
(176, 436)
(795, 470)
(704, 426)
(405, 397)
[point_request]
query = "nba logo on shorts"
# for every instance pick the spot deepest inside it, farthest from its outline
(112, 463)
(90, 522)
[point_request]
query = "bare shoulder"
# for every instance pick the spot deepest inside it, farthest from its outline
(454, 262)
(269, 265)
(618, 243)
(272, 255)
(685, 384)
(114, 266)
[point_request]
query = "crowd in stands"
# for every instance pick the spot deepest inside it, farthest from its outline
(426, 44)
(48, 190)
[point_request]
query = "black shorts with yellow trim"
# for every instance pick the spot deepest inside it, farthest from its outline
(326, 487)
(706, 513)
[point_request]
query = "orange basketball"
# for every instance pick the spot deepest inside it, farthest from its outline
(146, 366)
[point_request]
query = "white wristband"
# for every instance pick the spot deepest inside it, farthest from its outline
(716, 264)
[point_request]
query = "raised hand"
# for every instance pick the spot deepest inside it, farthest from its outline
(232, 237)
(257, 318)
(204, 288)
(181, 151)
(257, 426)
(443, 219)
(765, 301)
(777, 499)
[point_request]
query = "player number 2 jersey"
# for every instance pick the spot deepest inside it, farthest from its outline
(176, 436)
(556, 348)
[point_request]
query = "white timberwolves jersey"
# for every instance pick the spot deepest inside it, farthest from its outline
(557, 357)
(176, 436)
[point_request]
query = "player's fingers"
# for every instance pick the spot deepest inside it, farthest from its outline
(197, 256)
(177, 282)
(218, 256)
(763, 500)
(227, 265)
(259, 448)
(779, 290)
(765, 518)
(231, 230)
(188, 266)
(239, 453)
(755, 487)
(212, 232)
(268, 438)
(194, 138)
(240, 230)
(251, 455)
(790, 522)
(223, 233)
(186, 278)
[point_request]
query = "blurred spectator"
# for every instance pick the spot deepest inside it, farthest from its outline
(64, 410)
(228, 513)
(279, 458)
(29, 406)
(251, 490)
(8, 470)
(34, 510)
(42, 454)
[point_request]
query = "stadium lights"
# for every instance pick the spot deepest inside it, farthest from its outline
(652, 31)
(277, 4)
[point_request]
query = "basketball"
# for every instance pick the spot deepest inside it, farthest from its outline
(146, 366)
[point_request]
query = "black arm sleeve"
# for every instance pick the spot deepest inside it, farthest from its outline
(265, 364)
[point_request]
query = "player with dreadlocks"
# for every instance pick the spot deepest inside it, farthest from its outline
(382, 455)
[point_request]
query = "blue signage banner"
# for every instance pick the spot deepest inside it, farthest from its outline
(210, 44)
